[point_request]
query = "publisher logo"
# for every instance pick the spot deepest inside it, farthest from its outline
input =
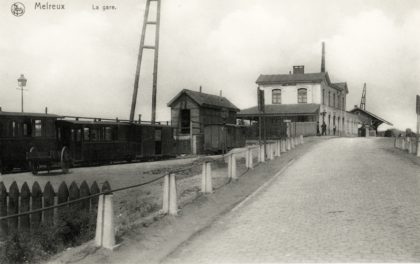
(18, 9)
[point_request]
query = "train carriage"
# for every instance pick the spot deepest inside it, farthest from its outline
(45, 141)
(22, 135)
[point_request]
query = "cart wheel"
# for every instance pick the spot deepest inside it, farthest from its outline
(65, 160)
(34, 165)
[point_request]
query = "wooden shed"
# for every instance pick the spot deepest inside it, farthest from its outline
(192, 111)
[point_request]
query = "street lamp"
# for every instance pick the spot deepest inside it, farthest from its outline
(22, 83)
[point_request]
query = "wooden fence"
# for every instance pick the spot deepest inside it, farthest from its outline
(18, 202)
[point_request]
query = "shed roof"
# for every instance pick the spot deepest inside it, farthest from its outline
(371, 115)
(26, 114)
(293, 78)
(282, 109)
(206, 100)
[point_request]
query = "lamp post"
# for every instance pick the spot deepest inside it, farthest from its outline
(22, 83)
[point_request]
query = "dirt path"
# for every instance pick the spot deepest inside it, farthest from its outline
(152, 243)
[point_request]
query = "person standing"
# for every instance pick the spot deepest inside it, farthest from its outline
(324, 129)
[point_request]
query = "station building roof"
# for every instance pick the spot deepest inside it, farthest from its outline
(293, 78)
(282, 110)
(205, 100)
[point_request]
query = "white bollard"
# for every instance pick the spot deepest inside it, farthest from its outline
(247, 157)
(173, 203)
(206, 180)
(105, 233)
(165, 195)
(250, 159)
(277, 146)
(418, 149)
(270, 151)
(283, 145)
(232, 172)
(262, 153)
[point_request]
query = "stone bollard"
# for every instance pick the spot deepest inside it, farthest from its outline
(301, 139)
(292, 143)
(262, 153)
(250, 159)
(232, 167)
(283, 145)
(403, 144)
(270, 151)
(206, 180)
(105, 233)
(418, 149)
(278, 150)
(288, 145)
(169, 199)
(173, 203)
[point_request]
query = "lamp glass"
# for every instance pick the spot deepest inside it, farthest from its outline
(22, 80)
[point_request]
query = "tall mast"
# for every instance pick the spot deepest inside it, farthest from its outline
(323, 58)
(363, 100)
(147, 22)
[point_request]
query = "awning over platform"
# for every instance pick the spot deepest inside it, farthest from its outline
(282, 110)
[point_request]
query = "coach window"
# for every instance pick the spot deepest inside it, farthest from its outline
(37, 128)
(108, 133)
(302, 96)
(78, 135)
(14, 129)
(94, 134)
(276, 96)
(86, 134)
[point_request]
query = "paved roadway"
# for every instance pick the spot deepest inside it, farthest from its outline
(350, 199)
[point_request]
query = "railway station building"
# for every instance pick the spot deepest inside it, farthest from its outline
(307, 99)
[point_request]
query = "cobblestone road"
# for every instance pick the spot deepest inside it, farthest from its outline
(350, 199)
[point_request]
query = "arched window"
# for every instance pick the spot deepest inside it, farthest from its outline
(302, 96)
(276, 96)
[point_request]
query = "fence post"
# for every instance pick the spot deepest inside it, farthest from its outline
(13, 207)
(278, 151)
(49, 195)
(165, 197)
(262, 153)
(173, 205)
(250, 158)
(25, 196)
(3, 210)
(206, 180)
(209, 184)
(247, 157)
(232, 166)
(270, 151)
(283, 145)
(105, 233)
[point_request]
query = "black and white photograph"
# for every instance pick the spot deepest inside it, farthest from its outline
(209, 131)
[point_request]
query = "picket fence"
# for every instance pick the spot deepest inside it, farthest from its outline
(18, 202)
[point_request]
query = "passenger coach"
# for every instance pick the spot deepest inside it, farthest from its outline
(32, 141)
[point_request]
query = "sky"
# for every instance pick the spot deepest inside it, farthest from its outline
(80, 61)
